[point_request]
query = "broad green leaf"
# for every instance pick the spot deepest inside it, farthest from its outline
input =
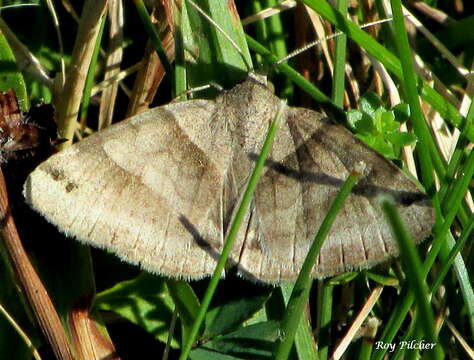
(378, 119)
(230, 315)
(10, 76)
(144, 301)
(251, 342)
(215, 59)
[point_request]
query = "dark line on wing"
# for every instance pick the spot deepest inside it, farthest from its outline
(405, 198)
(198, 238)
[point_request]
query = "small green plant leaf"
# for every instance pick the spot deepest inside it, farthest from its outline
(380, 128)
(184, 298)
(360, 122)
(402, 112)
(369, 103)
(378, 143)
(387, 121)
(402, 138)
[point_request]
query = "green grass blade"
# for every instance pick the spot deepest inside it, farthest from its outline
(276, 40)
(298, 79)
(302, 286)
(325, 299)
(339, 61)
(153, 34)
(232, 235)
(388, 59)
(401, 353)
(408, 297)
(292, 74)
(305, 345)
(425, 141)
(186, 303)
(182, 31)
(218, 50)
(454, 252)
(325, 293)
(89, 84)
(415, 276)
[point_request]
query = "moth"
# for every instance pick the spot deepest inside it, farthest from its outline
(160, 190)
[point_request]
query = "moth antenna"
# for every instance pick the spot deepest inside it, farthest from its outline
(268, 12)
(211, 85)
(221, 30)
(260, 78)
(319, 41)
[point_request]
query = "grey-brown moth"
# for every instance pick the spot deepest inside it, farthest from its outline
(160, 189)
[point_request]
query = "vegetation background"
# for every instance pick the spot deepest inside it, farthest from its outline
(95, 62)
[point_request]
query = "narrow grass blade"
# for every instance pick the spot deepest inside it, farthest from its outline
(299, 80)
(411, 93)
(292, 74)
(182, 30)
(232, 235)
(90, 77)
(153, 34)
(305, 344)
(186, 304)
(325, 300)
(325, 295)
(452, 255)
(302, 287)
(388, 59)
(339, 61)
(276, 41)
(31, 346)
(415, 276)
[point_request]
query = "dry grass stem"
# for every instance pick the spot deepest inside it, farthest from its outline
(68, 102)
(358, 321)
(36, 293)
(112, 64)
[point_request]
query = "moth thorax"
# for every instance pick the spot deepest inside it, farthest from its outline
(254, 107)
(251, 133)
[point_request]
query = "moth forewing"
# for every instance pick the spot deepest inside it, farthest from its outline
(159, 190)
